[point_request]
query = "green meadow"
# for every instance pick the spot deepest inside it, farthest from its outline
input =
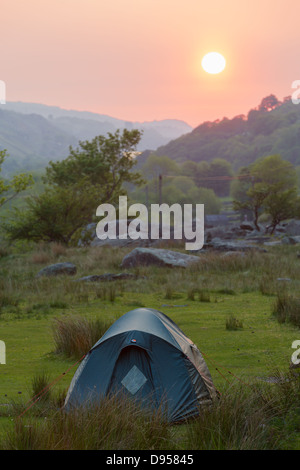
(225, 304)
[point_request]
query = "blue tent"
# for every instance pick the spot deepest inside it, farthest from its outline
(145, 355)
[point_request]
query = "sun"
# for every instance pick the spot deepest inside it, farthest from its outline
(213, 63)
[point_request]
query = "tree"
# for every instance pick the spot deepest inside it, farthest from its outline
(104, 162)
(189, 168)
(269, 186)
(93, 173)
(56, 215)
(281, 205)
(221, 170)
(9, 189)
(269, 103)
(159, 165)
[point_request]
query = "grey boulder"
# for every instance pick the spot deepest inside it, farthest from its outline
(158, 257)
(58, 269)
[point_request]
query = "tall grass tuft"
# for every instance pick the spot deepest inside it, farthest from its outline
(253, 416)
(233, 323)
(57, 249)
(248, 418)
(40, 383)
(204, 296)
(8, 299)
(74, 335)
(231, 424)
(191, 293)
(169, 292)
(115, 423)
(287, 308)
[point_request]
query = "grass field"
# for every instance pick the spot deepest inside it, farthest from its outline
(200, 300)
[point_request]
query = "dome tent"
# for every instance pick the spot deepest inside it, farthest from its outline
(145, 355)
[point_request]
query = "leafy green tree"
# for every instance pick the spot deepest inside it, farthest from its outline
(93, 173)
(159, 165)
(206, 196)
(184, 183)
(269, 186)
(222, 171)
(189, 168)
(9, 189)
(281, 205)
(239, 192)
(56, 215)
(104, 162)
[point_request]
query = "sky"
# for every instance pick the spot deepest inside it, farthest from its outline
(140, 60)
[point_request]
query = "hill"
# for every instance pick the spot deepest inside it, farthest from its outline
(272, 127)
(35, 133)
(31, 141)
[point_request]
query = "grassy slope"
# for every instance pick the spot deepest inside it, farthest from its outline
(30, 305)
(257, 349)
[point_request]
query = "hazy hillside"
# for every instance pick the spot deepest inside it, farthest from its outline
(81, 125)
(272, 127)
(31, 141)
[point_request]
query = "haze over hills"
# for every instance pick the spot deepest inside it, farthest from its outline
(273, 127)
(31, 141)
(35, 133)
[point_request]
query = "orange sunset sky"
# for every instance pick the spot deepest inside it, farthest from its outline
(140, 60)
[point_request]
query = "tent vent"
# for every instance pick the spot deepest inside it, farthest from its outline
(134, 380)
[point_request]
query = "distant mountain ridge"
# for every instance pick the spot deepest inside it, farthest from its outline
(34, 133)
